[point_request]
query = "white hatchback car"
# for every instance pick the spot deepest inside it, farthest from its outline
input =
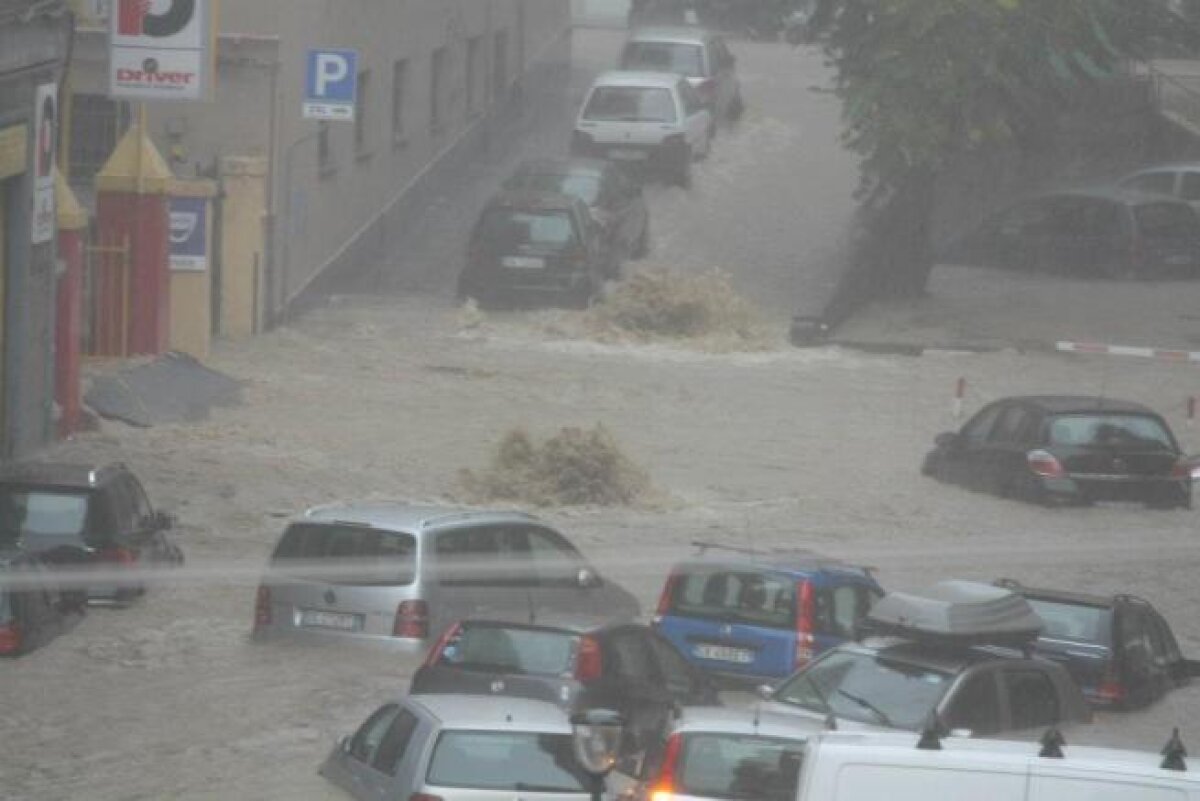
(653, 120)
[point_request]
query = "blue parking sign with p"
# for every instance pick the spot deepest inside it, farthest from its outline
(330, 84)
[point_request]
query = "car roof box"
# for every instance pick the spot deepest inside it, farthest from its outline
(956, 613)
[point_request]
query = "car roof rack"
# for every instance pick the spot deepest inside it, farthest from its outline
(1173, 753)
(956, 613)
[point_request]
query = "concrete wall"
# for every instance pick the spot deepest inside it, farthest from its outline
(31, 53)
(319, 214)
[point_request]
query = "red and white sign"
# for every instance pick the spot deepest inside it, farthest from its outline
(1162, 354)
(161, 49)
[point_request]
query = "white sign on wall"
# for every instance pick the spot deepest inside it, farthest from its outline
(45, 143)
(161, 49)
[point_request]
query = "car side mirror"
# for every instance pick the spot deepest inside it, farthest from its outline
(164, 521)
(947, 440)
(587, 578)
(765, 691)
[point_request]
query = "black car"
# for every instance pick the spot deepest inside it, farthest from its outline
(537, 244)
(1118, 648)
(576, 662)
(1103, 232)
(1050, 448)
(33, 607)
(84, 515)
(614, 198)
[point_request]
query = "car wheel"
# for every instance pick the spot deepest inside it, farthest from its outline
(641, 248)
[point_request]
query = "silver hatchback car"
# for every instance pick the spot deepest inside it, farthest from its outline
(397, 575)
(460, 748)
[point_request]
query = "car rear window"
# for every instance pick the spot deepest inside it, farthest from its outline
(630, 104)
(868, 688)
(740, 766)
(584, 186)
(505, 760)
(1075, 622)
(511, 650)
(679, 57)
(733, 596)
(1166, 220)
(512, 231)
(31, 514)
(1110, 430)
(345, 554)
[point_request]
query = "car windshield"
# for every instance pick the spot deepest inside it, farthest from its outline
(739, 767)
(345, 554)
(630, 104)
(510, 761)
(29, 515)
(732, 596)
(514, 231)
(678, 57)
(585, 186)
(868, 688)
(1110, 431)
(511, 650)
(1074, 622)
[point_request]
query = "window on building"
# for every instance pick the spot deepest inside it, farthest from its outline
(499, 64)
(325, 164)
(362, 119)
(437, 90)
(399, 81)
(97, 124)
(474, 73)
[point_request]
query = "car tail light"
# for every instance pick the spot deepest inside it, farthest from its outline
(663, 787)
(435, 653)
(262, 606)
(10, 637)
(118, 555)
(589, 663)
(668, 595)
(804, 623)
(1044, 464)
(1112, 689)
(1184, 470)
(412, 620)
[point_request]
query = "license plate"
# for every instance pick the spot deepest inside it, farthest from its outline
(328, 620)
(627, 155)
(724, 653)
(523, 262)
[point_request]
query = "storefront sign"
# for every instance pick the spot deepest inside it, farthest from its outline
(45, 144)
(14, 150)
(161, 49)
(189, 233)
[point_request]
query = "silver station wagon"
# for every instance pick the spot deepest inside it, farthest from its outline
(397, 575)
(460, 748)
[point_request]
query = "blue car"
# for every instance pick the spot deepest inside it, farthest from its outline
(752, 616)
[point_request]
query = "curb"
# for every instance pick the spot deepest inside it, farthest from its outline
(918, 349)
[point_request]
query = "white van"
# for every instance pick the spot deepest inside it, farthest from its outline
(843, 766)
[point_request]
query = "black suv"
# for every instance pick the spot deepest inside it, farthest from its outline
(83, 515)
(1118, 648)
(532, 243)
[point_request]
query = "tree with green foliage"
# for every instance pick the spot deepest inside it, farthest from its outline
(924, 82)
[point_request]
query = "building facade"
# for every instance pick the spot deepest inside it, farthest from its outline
(34, 44)
(316, 199)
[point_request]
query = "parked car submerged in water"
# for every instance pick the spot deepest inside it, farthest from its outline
(86, 516)
(1066, 448)
(1093, 233)
(397, 575)
(1118, 648)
